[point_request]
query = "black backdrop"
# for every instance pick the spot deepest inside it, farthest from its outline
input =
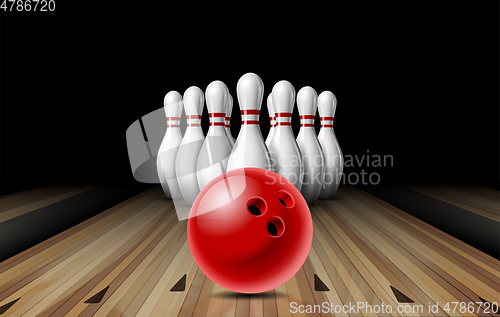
(416, 82)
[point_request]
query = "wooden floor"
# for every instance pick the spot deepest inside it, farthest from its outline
(135, 252)
(480, 200)
(18, 204)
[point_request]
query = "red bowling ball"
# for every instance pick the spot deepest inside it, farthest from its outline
(250, 230)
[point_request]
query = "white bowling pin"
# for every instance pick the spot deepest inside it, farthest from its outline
(312, 154)
(228, 120)
(286, 156)
(216, 148)
(249, 149)
(334, 161)
(272, 119)
(189, 150)
(165, 161)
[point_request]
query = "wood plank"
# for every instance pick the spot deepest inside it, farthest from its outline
(464, 196)
(282, 304)
(269, 301)
(309, 271)
(172, 300)
(33, 267)
(466, 251)
(20, 198)
(164, 253)
(351, 291)
(160, 276)
(379, 284)
(39, 249)
(404, 246)
(21, 207)
(107, 275)
(361, 247)
(217, 300)
(178, 299)
(294, 295)
(203, 303)
(357, 279)
(319, 268)
(229, 304)
(73, 272)
(160, 284)
(256, 305)
(306, 293)
(427, 284)
(404, 236)
(392, 272)
(242, 305)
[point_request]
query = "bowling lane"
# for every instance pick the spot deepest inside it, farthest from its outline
(480, 200)
(18, 204)
(401, 251)
(131, 259)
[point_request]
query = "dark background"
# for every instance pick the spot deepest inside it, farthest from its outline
(416, 82)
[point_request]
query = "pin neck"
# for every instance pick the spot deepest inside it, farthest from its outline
(193, 120)
(217, 119)
(307, 121)
(173, 122)
(283, 119)
(250, 117)
(326, 122)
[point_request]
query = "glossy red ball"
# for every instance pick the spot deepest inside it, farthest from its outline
(250, 230)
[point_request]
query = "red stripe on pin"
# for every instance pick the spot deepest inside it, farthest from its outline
(327, 125)
(173, 118)
(217, 124)
(284, 114)
(193, 116)
(250, 122)
(173, 126)
(250, 112)
(307, 116)
(285, 123)
(217, 115)
(194, 125)
(326, 118)
(310, 125)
